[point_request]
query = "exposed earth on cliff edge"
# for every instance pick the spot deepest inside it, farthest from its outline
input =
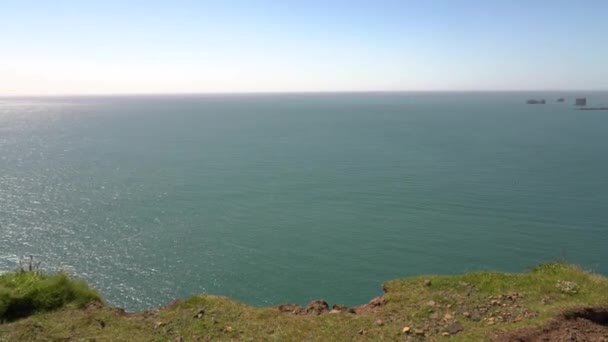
(584, 324)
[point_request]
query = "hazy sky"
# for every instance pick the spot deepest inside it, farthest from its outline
(76, 47)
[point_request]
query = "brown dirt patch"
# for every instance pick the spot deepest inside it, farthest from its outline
(584, 324)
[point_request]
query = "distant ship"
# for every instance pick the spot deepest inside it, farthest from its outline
(561, 99)
(533, 101)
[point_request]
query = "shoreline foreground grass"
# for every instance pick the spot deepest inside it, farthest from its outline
(469, 307)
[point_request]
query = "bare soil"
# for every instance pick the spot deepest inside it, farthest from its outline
(584, 324)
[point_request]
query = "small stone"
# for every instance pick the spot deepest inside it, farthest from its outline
(228, 329)
(406, 330)
(447, 316)
(494, 302)
(454, 328)
(334, 311)
(427, 282)
(159, 324)
(419, 332)
(431, 303)
(466, 314)
(379, 322)
(445, 334)
(362, 332)
(199, 313)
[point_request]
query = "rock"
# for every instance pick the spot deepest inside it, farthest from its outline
(431, 303)
(159, 324)
(454, 328)
(352, 311)
(495, 302)
(466, 314)
(362, 332)
(228, 329)
(339, 307)
(379, 322)
(334, 311)
(427, 282)
(199, 313)
(419, 332)
(288, 307)
(406, 330)
(317, 307)
(447, 317)
(179, 339)
(445, 333)
(378, 301)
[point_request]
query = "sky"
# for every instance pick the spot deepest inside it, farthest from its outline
(53, 47)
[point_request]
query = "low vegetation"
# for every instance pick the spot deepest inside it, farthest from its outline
(26, 293)
(468, 307)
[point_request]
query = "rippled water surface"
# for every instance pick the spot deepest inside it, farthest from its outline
(286, 198)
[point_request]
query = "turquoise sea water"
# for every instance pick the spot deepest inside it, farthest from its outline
(288, 198)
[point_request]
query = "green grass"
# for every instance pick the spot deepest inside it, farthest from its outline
(26, 293)
(530, 299)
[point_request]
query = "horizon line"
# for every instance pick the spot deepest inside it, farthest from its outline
(298, 92)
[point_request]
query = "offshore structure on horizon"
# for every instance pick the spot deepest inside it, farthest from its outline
(581, 101)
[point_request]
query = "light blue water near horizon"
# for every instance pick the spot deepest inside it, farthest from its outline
(290, 197)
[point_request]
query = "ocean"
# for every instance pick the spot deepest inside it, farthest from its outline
(285, 198)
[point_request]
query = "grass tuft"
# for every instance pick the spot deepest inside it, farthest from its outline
(26, 293)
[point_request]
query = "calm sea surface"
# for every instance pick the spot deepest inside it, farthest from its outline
(288, 198)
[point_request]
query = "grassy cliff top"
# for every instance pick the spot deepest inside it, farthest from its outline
(472, 306)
